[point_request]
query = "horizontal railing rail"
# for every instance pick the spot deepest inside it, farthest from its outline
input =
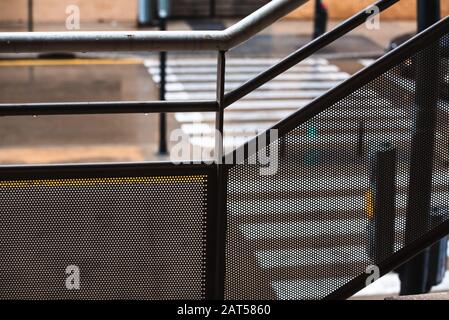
(64, 108)
(24, 42)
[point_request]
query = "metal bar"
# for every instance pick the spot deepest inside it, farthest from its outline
(304, 52)
(24, 42)
(354, 83)
(220, 220)
(320, 21)
(106, 107)
(393, 262)
(219, 124)
(30, 16)
(96, 170)
(162, 86)
(428, 13)
(145, 14)
(212, 8)
(211, 236)
(383, 188)
(414, 273)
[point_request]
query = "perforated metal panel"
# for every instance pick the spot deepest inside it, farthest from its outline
(132, 237)
(304, 232)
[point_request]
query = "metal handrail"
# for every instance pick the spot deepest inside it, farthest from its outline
(93, 41)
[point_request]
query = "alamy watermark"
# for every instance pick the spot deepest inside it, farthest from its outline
(262, 150)
(73, 278)
(373, 273)
(73, 20)
(373, 21)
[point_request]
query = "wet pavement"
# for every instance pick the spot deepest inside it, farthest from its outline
(80, 138)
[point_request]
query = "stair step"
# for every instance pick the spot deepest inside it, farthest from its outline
(274, 96)
(274, 85)
(252, 70)
(314, 207)
(184, 62)
(307, 258)
(310, 187)
(186, 78)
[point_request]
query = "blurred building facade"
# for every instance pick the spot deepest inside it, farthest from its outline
(54, 11)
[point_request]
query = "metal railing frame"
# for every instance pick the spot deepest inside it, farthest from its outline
(220, 41)
(19, 42)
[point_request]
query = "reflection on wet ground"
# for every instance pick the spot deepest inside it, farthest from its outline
(86, 138)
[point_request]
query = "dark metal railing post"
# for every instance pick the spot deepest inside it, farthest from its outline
(320, 21)
(212, 8)
(163, 15)
(30, 16)
(383, 194)
(414, 273)
(428, 13)
(219, 261)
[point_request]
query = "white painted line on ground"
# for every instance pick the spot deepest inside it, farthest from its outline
(316, 207)
(256, 95)
(311, 257)
(366, 62)
(229, 62)
(242, 69)
(243, 77)
(280, 86)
